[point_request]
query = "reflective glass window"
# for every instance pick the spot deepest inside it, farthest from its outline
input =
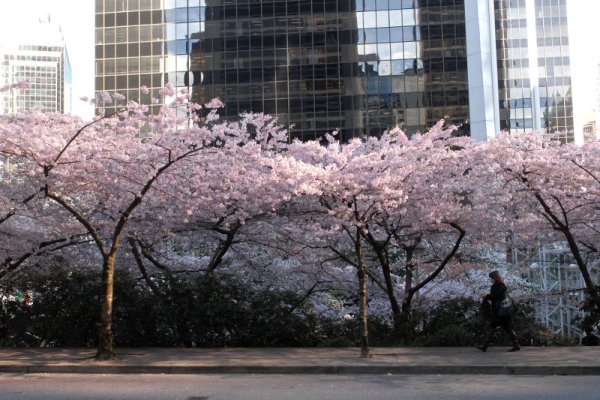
(395, 18)
(382, 4)
(383, 19)
(369, 19)
(397, 51)
(370, 35)
(133, 33)
(181, 31)
(395, 34)
(385, 68)
(145, 33)
(109, 35)
(121, 35)
(121, 66)
(383, 51)
(408, 34)
(181, 46)
(408, 17)
(383, 35)
(170, 15)
(370, 4)
(181, 15)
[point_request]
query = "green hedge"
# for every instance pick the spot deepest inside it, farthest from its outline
(458, 322)
(204, 312)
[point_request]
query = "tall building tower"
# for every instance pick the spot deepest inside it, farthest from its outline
(358, 65)
(130, 47)
(362, 66)
(39, 57)
(534, 66)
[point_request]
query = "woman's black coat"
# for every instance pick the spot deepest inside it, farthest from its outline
(497, 294)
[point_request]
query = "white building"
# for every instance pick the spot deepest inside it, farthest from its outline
(519, 68)
(39, 57)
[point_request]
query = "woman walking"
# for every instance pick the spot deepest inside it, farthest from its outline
(504, 320)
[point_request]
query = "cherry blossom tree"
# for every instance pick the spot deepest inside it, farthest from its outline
(373, 189)
(102, 172)
(543, 192)
(420, 238)
(141, 177)
(230, 196)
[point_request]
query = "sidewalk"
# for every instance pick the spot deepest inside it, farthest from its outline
(397, 360)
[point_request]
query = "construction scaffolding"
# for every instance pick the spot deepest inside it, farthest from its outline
(560, 287)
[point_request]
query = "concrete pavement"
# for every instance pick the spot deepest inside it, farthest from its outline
(389, 360)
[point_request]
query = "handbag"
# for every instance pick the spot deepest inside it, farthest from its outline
(506, 308)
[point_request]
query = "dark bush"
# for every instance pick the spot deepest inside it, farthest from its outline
(209, 312)
(52, 308)
(182, 312)
(458, 322)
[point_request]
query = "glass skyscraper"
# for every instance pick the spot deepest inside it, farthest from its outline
(362, 66)
(38, 57)
(534, 66)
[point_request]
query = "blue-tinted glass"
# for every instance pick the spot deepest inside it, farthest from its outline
(410, 67)
(395, 34)
(409, 34)
(397, 67)
(383, 35)
(172, 47)
(385, 85)
(182, 47)
(395, 4)
(382, 4)
(360, 39)
(370, 5)
(181, 15)
(170, 15)
(194, 14)
(370, 35)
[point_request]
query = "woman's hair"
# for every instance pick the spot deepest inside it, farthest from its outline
(496, 277)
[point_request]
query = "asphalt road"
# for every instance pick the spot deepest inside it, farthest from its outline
(305, 387)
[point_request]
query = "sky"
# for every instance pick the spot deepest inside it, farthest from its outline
(76, 18)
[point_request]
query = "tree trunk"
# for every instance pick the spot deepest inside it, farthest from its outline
(389, 283)
(563, 227)
(362, 298)
(405, 324)
(105, 337)
(394, 305)
(583, 268)
(362, 310)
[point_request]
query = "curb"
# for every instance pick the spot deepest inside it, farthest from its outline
(307, 369)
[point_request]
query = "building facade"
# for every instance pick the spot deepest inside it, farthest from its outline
(360, 66)
(40, 59)
(534, 66)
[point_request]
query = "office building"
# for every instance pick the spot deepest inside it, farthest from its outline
(38, 57)
(534, 66)
(358, 65)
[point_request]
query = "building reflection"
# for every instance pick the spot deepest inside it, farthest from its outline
(360, 66)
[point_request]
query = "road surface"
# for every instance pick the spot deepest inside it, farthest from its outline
(305, 387)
